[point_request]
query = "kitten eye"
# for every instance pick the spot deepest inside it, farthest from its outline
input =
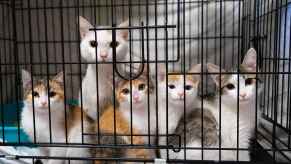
(125, 91)
(141, 87)
(248, 81)
(52, 94)
(230, 86)
(171, 86)
(35, 94)
(114, 44)
(188, 87)
(93, 43)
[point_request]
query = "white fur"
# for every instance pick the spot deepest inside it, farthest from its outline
(195, 154)
(42, 127)
(89, 83)
(75, 136)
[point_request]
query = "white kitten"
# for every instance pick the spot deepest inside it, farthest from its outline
(229, 110)
(99, 44)
(44, 116)
(176, 97)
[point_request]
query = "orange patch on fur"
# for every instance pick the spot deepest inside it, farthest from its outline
(122, 127)
(41, 88)
(75, 115)
(172, 78)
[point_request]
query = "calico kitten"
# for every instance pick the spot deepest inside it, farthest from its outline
(98, 46)
(127, 92)
(245, 96)
(191, 135)
(176, 99)
(44, 111)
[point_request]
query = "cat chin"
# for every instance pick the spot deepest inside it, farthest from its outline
(243, 101)
(178, 100)
(139, 104)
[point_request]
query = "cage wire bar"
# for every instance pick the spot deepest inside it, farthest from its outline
(43, 37)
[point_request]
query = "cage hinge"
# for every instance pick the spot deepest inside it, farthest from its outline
(160, 161)
(11, 157)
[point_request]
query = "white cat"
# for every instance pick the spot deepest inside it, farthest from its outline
(98, 46)
(176, 98)
(44, 116)
(228, 87)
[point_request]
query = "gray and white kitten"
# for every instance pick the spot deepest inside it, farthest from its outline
(236, 103)
(98, 46)
(191, 135)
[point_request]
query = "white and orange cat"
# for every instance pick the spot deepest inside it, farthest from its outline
(179, 95)
(238, 99)
(97, 46)
(126, 116)
(45, 119)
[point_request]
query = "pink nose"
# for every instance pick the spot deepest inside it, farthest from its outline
(44, 103)
(135, 98)
(103, 55)
(243, 95)
(181, 94)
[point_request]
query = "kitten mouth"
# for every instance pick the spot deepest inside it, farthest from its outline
(243, 100)
(179, 99)
(137, 102)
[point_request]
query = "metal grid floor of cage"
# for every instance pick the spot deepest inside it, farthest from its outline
(145, 81)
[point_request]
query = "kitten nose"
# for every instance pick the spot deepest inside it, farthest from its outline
(103, 55)
(181, 94)
(243, 95)
(135, 97)
(44, 103)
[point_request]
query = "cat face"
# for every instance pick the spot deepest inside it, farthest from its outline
(99, 43)
(177, 91)
(247, 88)
(240, 87)
(40, 95)
(135, 91)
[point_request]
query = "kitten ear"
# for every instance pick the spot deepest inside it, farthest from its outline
(84, 26)
(212, 68)
(26, 78)
(250, 60)
(124, 33)
(59, 77)
(196, 69)
(162, 71)
(117, 81)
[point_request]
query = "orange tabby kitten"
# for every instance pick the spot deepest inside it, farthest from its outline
(137, 94)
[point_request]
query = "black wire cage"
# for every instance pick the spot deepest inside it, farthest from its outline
(43, 37)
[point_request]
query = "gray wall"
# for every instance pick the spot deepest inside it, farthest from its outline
(7, 77)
